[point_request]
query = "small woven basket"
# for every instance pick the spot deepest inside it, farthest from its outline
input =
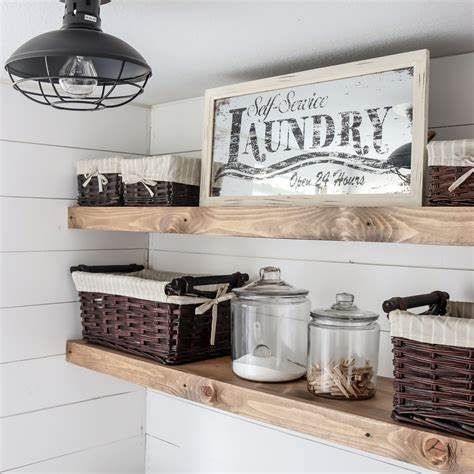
(167, 180)
(99, 182)
(451, 173)
(433, 356)
(167, 317)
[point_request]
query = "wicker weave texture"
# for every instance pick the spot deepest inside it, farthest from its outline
(441, 178)
(434, 386)
(165, 193)
(167, 333)
(90, 195)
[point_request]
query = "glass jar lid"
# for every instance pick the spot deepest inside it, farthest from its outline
(270, 284)
(344, 310)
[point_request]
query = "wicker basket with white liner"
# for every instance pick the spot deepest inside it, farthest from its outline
(99, 182)
(164, 316)
(165, 180)
(451, 173)
(433, 362)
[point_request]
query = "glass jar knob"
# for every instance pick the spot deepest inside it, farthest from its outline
(270, 273)
(344, 300)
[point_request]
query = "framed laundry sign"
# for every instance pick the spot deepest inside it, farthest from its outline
(353, 134)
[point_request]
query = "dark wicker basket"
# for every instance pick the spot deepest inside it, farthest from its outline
(434, 386)
(165, 193)
(90, 195)
(434, 383)
(440, 178)
(167, 333)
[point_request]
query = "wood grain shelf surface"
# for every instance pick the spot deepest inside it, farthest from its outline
(426, 225)
(364, 425)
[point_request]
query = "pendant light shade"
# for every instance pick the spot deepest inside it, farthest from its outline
(78, 67)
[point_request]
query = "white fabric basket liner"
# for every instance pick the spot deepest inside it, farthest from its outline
(171, 168)
(102, 165)
(146, 284)
(454, 329)
(451, 152)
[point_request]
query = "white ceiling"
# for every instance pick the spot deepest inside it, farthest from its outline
(193, 45)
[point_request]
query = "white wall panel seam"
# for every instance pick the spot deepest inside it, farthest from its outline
(68, 147)
(49, 356)
(310, 260)
(60, 405)
(38, 304)
(72, 452)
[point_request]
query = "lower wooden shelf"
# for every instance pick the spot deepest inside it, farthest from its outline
(424, 225)
(364, 425)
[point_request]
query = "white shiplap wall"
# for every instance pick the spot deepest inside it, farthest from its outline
(373, 272)
(56, 417)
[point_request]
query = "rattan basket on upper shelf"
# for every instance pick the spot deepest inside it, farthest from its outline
(166, 180)
(451, 173)
(433, 357)
(99, 182)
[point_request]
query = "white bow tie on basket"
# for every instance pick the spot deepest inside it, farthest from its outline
(468, 161)
(222, 295)
(101, 179)
(147, 182)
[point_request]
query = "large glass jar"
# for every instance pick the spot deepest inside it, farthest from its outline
(270, 329)
(343, 351)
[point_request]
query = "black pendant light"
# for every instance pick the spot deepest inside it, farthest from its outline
(78, 67)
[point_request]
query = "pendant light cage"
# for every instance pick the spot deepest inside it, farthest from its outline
(111, 92)
(79, 67)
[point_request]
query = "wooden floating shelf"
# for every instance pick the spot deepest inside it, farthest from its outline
(426, 225)
(364, 425)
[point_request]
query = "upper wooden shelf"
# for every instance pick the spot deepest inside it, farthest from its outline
(364, 424)
(426, 225)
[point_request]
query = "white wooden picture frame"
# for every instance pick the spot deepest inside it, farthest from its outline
(362, 82)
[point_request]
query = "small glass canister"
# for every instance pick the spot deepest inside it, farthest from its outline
(270, 329)
(343, 351)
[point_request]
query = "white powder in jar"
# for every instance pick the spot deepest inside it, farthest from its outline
(267, 369)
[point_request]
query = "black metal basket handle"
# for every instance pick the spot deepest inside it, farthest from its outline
(186, 285)
(133, 267)
(437, 301)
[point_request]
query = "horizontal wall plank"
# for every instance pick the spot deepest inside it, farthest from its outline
(37, 331)
(371, 285)
(260, 448)
(168, 458)
(103, 130)
(163, 457)
(33, 437)
(454, 133)
(47, 382)
(326, 251)
(450, 97)
(186, 116)
(31, 278)
(41, 224)
(36, 170)
(121, 457)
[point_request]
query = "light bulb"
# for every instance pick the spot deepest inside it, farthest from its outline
(80, 71)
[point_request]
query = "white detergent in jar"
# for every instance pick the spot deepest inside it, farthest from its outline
(267, 369)
(270, 329)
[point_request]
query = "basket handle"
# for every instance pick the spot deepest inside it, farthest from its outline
(133, 267)
(436, 300)
(186, 285)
